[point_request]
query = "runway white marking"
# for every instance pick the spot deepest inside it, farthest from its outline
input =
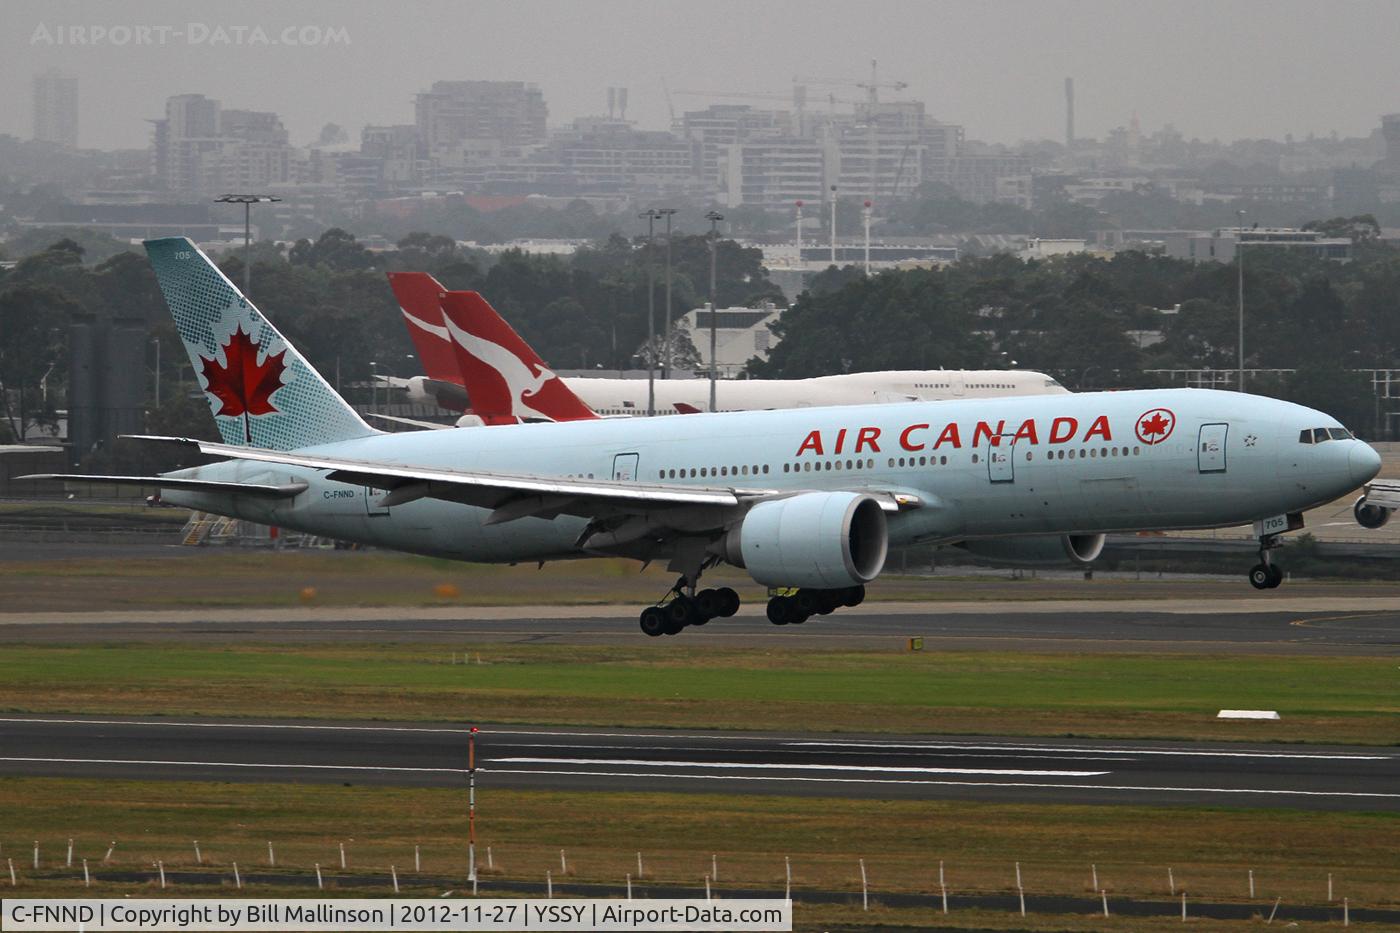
(797, 751)
(225, 764)
(1185, 753)
(769, 766)
(908, 781)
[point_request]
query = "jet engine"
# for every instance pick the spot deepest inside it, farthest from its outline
(823, 540)
(1038, 550)
(1368, 515)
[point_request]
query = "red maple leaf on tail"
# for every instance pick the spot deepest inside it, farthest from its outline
(244, 386)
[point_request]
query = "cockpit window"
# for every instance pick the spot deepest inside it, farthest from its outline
(1319, 435)
(1052, 384)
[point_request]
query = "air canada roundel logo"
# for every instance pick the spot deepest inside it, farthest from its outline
(1155, 426)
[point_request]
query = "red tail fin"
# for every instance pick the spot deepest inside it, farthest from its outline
(417, 294)
(504, 377)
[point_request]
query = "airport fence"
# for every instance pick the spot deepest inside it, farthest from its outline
(1043, 887)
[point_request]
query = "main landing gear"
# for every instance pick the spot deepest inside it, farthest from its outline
(805, 603)
(684, 606)
(1265, 575)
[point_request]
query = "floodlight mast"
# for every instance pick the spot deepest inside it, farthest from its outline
(247, 200)
(714, 217)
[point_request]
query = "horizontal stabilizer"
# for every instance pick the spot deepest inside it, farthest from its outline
(411, 422)
(280, 491)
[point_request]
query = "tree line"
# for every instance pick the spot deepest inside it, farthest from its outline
(1093, 322)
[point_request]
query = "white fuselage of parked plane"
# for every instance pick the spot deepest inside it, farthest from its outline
(611, 397)
(1026, 465)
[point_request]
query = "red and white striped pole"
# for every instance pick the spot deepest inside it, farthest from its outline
(471, 805)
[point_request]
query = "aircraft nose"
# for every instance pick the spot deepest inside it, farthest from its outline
(1364, 463)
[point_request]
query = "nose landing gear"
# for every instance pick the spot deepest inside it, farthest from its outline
(1265, 575)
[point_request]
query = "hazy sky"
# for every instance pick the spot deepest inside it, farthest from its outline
(1215, 68)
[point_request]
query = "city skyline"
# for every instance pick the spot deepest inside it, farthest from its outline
(1228, 72)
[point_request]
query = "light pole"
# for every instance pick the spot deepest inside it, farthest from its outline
(156, 341)
(247, 200)
(667, 212)
(714, 217)
(865, 216)
(1239, 265)
(373, 384)
(651, 214)
(799, 234)
(833, 225)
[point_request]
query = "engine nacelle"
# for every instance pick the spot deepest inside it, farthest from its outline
(1038, 550)
(1368, 515)
(823, 540)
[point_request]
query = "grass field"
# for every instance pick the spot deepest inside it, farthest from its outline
(1320, 699)
(232, 577)
(1209, 850)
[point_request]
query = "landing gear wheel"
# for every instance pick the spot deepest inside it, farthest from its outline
(854, 595)
(729, 601)
(653, 621)
(780, 610)
(828, 601)
(807, 603)
(1275, 575)
(1261, 577)
(681, 612)
(708, 605)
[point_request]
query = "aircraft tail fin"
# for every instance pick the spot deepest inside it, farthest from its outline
(263, 393)
(417, 294)
(504, 376)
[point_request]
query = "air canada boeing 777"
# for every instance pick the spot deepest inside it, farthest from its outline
(809, 499)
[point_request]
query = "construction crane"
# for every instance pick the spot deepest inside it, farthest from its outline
(871, 87)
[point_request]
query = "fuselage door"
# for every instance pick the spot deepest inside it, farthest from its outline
(1210, 449)
(1001, 467)
(625, 467)
(373, 496)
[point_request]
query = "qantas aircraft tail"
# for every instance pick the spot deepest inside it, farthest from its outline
(417, 294)
(505, 379)
(262, 392)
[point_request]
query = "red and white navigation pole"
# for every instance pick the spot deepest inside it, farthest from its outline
(471, 808)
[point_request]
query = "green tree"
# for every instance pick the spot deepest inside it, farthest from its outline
(33, 338)
(336, 249)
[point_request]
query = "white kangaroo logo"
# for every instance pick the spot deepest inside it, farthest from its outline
(520, 378)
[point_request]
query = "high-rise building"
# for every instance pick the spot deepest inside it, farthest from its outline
(180, 141)
(721, 125)
(201, 149)
(56, 108)
(453, 115)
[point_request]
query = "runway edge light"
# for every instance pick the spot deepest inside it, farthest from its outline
(1248, 714)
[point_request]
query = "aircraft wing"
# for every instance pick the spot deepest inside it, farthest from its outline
(513, 496)
(270, 490)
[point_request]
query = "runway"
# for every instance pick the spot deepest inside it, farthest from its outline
(1312, 626)
(590, 760)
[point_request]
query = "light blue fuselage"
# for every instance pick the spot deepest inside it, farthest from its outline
(1229, 459)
